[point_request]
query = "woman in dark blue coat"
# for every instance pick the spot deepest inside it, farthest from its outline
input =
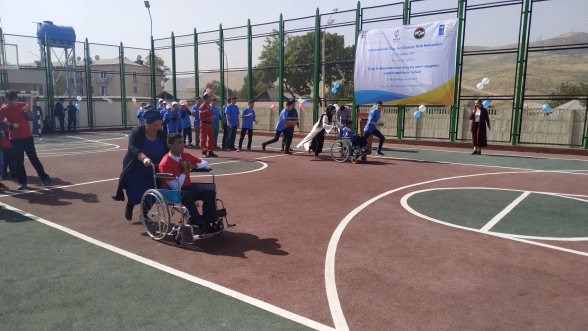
(147, 146)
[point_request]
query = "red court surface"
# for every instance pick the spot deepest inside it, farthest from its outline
(333, 243)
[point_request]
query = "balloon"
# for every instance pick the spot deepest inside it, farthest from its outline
(79, 98)
(422, 108)
(486, 103)
(334, 90)
(78, 106)
(374, 107)
(485, 81)
(134, 99)
(337, 85)
(301, 106)
(336, 106)
(304, 101)
(273, 107)
(207, 90)
(417, 114)
(104, 98)
(135, 104)
(110, 101)
(300, 100)
(480, 86)
(546, 107)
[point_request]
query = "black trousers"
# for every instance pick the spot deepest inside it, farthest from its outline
(288, 135)
(8, 160)
(187, 132)
(317, 143)
(276, 138)
(61, 124)
(19, 148)
(191, 194)
(376, 133)
(249, 136)
(71, 121)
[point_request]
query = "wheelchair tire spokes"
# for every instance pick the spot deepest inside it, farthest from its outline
(153, 203)
(340, 151)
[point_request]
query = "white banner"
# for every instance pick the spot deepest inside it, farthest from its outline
(409, 64)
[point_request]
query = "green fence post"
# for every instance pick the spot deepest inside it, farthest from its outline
(196, 81)
(173, 47)
(521, 74)
(317, 47)
(222, 66)
(123, 87)
(89, 88)
(3, 73)
(49, 68)
(281, 66)
(399, 123)
(152, 65)
(454, 109)
(357, 28)
(586, 132)
(249, 61)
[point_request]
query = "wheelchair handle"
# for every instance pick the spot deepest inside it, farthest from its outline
(165, 176)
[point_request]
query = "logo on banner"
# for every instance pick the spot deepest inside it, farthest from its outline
(442, 29)
(419, 33)
(396, 34)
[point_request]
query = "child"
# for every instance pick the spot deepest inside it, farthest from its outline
(179, 163)
(347, 132)
(6, 151)
(168, 120)
(2, 138)
(47, 125)
(248, 117)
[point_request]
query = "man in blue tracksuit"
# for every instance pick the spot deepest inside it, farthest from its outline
(196, 122)
(185, 122)
(140, 112)
(168, 119)
(176, 118)
(162, 110)
(232, 115)
(288, 119)
(225, 126)
(372, 126)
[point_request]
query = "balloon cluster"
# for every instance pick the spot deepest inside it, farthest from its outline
(335, 87)
(302, 103)
(481, 84)
(420, 111)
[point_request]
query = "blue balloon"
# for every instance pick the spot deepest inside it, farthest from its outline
(304, 101)
(417, 114)
(334, 90)
(374, 107)
(337, 85)
(546, 108)
(78, 106)
(486, 103)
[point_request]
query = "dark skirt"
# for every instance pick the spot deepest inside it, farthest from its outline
(318, 142)
(479, 135)
(139, 181)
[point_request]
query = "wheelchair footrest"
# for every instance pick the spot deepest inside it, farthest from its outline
(221, 212)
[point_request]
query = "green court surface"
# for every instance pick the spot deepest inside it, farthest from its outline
(62, 282)
(537, 215)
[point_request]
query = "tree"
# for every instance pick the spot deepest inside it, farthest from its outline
(569, 90)
(214, 87)
(159, 64)
(299, 62)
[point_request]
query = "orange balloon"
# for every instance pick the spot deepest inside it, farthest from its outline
(15, 125)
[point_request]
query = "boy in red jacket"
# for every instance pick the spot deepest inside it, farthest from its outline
(17, 116)
(179, 163)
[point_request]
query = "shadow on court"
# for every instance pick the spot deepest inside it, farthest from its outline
(50, 195)
(232, 244)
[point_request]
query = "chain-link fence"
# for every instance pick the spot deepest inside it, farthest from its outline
(537, 71)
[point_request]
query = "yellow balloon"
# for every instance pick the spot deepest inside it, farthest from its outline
(15, 125)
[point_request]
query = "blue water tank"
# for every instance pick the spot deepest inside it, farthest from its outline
(59, 36)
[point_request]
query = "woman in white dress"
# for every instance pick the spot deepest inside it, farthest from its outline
(315, 140)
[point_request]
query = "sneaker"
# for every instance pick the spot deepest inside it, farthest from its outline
(288, 152)
(380, 153)
(474, 152)
(479, 152)
(249, 149)
(21, 187)
(263, 147)
(204, 155)
(217, 148)
(211, 154)
(238, 149)
(190, 145)
(47, 180)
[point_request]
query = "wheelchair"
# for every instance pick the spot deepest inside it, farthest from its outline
(345, 149)
(160, 208)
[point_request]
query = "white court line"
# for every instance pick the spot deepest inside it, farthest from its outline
(504, 212)
(57, 187)
(196, 280)
(95, 141)
(330, 284)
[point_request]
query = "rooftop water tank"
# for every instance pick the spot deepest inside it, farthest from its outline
(59, 36)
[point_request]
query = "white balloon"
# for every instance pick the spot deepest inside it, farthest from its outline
(480, 86)
(300, 100)
(134, 99)
(336, 106)
(104, 98)
(485, 81)
(79, 98)
(422, 108)
(110, 101)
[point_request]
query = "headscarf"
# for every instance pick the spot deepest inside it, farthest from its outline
(151, 115)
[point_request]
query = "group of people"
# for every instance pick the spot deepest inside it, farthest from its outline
(206, 117)
(16, 140)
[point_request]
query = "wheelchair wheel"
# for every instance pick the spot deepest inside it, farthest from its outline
(155, 214)
(353, 160)
(340, 151)
(178, 237)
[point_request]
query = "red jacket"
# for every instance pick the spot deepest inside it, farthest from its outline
(16, 115)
